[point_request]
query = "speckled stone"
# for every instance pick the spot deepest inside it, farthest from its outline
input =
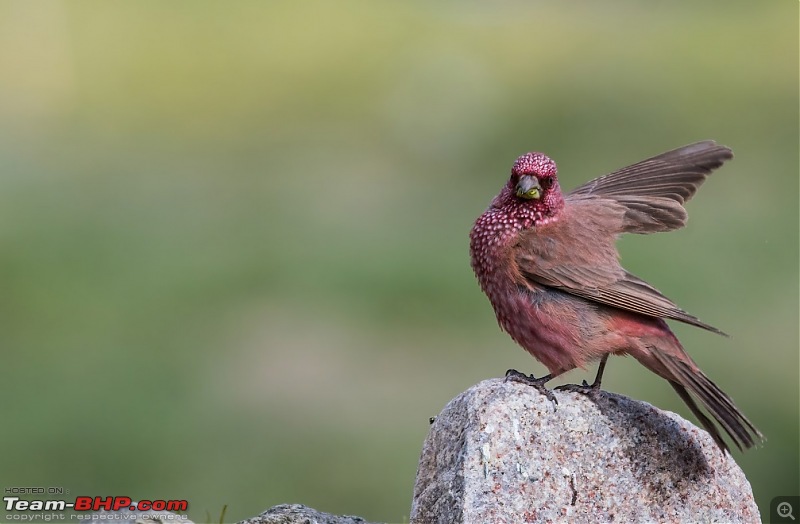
(503, 453)
(300, 514)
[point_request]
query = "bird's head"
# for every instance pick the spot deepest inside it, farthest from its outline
(534, 183)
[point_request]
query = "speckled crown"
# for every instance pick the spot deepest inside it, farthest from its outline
(534, 164)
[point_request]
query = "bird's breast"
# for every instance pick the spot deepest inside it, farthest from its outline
(491, 243)
(555, 327)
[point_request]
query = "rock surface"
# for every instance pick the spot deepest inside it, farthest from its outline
(135, 516)
(503, 453)
(299, 514)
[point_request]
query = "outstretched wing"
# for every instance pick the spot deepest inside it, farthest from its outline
(653, 191)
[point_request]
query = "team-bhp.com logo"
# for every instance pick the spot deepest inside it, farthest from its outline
(95, 504)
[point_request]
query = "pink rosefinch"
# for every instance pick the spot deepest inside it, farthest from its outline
(549, 265)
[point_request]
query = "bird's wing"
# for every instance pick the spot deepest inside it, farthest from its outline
(576, 254)
(634, 294)
(653, 191)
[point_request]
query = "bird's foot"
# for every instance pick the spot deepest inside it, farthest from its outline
(539, 383)
(584, 388)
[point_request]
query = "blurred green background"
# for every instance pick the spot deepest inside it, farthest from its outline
(233, 236)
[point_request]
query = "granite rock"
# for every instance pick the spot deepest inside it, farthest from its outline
(300, 514)
(501, 452)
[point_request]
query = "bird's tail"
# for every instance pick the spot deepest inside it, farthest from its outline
(688, 378)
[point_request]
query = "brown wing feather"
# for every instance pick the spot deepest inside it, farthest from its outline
(636, 295)
(653, 191)
(577, 254)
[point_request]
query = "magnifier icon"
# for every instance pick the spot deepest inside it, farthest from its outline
(784, 510)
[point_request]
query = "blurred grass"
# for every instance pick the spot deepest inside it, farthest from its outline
(233, 237)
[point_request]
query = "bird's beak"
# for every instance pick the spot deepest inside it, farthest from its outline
(528, 187)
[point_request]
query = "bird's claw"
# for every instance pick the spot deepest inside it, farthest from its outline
(539, 383)
(584, 388)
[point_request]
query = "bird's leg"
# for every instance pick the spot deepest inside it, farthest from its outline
(600, 369)
(584, 387)
(538, 383)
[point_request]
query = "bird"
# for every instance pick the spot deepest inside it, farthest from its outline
(549, 264)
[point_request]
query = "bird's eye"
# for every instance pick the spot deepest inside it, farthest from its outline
(546, 181)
